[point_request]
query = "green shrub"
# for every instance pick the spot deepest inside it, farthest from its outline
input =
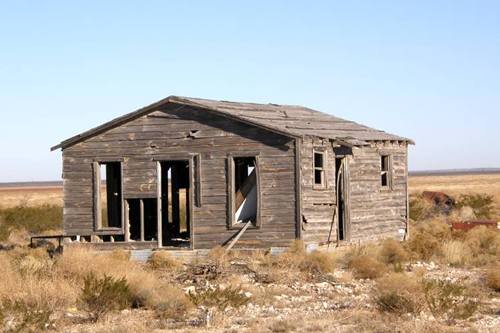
(33, 219)
(482, 204)
(220, 298)
(102, 295)
(448, 300)
(395, 303)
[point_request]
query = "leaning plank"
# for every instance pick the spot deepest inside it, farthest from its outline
(238, 236)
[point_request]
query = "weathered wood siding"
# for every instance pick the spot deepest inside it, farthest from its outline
(378, 212)
(318, 205)
(167, 132)
(375, 212)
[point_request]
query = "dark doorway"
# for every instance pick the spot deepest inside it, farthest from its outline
(175, 203)
(143, 221)
(340, 192)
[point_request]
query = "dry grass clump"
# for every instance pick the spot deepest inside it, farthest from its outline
(367, 267)
(169, 302)
(297, 258)
(421, 209)
(29, 293)
(163, 260)
(455, 252)
(282, 326)
(493, 278)
(426, 239)
(399, 293)
(392, 252)
(484, 245)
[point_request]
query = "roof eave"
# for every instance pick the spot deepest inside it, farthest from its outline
(139, 112)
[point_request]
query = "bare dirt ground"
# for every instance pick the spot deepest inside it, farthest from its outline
(281, 296)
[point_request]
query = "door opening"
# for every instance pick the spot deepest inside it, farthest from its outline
(175, 203)
(340, 193)
(142, 217)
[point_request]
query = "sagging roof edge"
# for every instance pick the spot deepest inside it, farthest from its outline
(176, 100)
(139, 112)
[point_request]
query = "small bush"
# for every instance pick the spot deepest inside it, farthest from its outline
(426, 239)
(449, 300)
(392, 252)
(493, 278)
(220, 298)
(317, 262)
(482, 204)
(163, 260)
(399, 293)
(297, 259)
(219, 255)
(366, 267)
(102, 295)
(33, 219)
(282, 326)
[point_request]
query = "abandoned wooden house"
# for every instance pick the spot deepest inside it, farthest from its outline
(196, 173)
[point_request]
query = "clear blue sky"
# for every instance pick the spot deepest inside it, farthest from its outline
(429, 70)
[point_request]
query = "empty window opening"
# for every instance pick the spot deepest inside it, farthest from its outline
(143, 219)
(108, 195)
(245, 190)
(385, 170)
(319, 169)
(175, 203)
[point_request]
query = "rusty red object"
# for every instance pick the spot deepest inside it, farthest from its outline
(467, 225)
(439, 199)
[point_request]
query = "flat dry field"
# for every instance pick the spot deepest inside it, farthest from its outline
(30, 196)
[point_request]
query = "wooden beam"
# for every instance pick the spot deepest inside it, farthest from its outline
(245, 188)
(298, 189)
(240, 233)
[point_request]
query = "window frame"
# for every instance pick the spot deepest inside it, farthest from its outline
(387, 172)
(97, 193)
(322, 169)
(231, 223)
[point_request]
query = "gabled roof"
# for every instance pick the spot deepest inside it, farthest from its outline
(289, 120)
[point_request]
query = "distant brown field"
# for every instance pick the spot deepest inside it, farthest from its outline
(459, 184)
(30, 196)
